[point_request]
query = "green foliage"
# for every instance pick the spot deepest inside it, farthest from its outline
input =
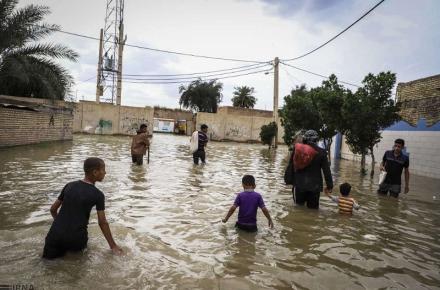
(368, 111)
(27, 68)
(268, 132)
(243, 97)
(318, 109)
(201, 96)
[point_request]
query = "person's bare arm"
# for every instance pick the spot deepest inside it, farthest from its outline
(267, 214)
(146, 141)
(54, 208)
(230, 212)
(105, 228)
(406, 180)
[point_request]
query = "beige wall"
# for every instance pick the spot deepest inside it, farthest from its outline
(230, 125)
(94, 118)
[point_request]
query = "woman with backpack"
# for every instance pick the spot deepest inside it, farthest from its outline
(307, 162)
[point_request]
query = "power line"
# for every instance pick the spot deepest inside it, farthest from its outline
(159, 50)
(319, 75)
(192, 77)
(189, 81)
(337, 35)
(292, 77)
(86, 80)
(198, 73)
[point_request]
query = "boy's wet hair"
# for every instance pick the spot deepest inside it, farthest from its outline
(400, 141)
(143, 126)
(248, 180)
(204, 126)
(345, 189)
(93, 163)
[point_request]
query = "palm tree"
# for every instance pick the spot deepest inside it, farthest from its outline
(27, 68)
(243, 97)
(201, 96)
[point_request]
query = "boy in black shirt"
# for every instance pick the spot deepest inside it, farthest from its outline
(69, 228)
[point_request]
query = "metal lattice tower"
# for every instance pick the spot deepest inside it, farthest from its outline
(110, 54)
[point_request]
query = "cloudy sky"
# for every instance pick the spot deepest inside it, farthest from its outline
(400, 35)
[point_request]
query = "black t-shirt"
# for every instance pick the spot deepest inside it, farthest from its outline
(203, 139)
(394, 166)
(78, 198)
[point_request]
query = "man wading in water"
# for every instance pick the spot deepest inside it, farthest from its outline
(198, 144)
(139, 145)
(308, 160)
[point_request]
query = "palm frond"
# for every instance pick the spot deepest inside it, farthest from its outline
(46, 50)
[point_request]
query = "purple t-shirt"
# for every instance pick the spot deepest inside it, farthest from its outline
(248, 203)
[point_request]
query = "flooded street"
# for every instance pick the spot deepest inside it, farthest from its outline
(167, 215)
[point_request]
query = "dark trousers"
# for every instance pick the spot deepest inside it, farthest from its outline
(138, 159)
(394, 189)
(311, 198)
(247, 228)
(57, 245)
(199, 154)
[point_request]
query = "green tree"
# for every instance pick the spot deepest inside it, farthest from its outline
(318, 109)
(267, 133)
(27, 67)
(243, 97)
(367, 112)
(201, 96)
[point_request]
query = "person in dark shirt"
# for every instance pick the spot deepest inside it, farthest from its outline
(393, 163)
(202, 140)
(308, 183)
(69, 228)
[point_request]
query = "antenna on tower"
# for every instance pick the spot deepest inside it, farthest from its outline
(111, 46)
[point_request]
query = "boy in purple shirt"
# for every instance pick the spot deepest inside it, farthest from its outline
(248, 201)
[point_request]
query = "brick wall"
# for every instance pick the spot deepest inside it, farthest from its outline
(420, 99)
(20, 125)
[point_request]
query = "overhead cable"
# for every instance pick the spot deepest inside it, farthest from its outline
(152, 78)
(199, 73)
(189, 81)
(159, 50)
(319, 75)
(337, 35)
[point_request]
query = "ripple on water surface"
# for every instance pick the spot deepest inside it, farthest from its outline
(166, 215)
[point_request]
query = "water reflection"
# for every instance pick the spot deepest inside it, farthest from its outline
(166, 215)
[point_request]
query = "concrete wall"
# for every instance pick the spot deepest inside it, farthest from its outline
(236, 124)
(29, 121)
(108, 119)
(421, 144)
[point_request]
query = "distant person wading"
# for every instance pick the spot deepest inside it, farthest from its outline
(139, 145)
(198, 144)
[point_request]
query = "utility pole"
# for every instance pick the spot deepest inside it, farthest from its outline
(121, 44)
(99, 88)
(275, 98)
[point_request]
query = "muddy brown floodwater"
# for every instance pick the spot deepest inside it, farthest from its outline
(166, 216)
